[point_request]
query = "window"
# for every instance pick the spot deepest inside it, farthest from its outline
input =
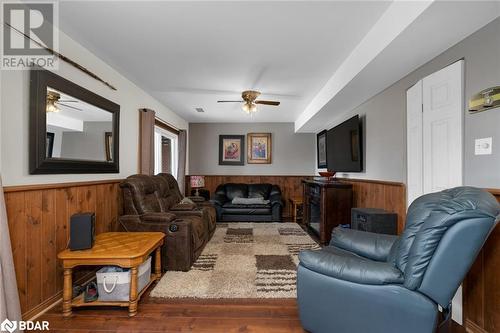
(166, 151)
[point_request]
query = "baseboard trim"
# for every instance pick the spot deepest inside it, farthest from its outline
(472, 327)
(49, 303)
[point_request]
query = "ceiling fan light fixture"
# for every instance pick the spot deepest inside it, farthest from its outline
(249, 107)
(52, 98)
(51, 106)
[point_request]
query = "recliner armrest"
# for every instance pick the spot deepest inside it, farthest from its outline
(181, 213)
(366, 244)
(157, 217)
(183, 207)
(346, 266)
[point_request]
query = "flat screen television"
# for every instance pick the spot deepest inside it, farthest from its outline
(343, 147)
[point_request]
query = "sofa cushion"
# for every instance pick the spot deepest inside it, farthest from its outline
(236, 191)
(173, 185)
(144, 193)
(259, 190)
(230, 208)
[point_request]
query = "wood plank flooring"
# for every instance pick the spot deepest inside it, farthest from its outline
(183, 316)
(217, 316)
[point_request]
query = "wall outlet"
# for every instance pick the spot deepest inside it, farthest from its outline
(483, 146)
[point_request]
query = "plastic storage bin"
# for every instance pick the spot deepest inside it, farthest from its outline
(113, 283)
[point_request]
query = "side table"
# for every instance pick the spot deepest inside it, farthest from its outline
(296, 204)
(124, 249)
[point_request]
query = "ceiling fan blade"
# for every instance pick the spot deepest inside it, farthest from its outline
(230, 101)
(268, 103)
(69, 106)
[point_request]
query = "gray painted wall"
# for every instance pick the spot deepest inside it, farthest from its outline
(292, 154)
(86, 145)
(385, 114)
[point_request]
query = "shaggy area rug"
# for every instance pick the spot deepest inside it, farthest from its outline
(242, 260)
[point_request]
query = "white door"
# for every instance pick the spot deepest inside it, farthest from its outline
(443, 128)
(435, 107)
(414, 142)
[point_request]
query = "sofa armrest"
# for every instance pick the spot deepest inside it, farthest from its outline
(275, 189)
(157, 217)
(219, 200)
(181, 213)
(153, 222)
(345, 266)
(366, 244)
(183, 207)
(275, 199)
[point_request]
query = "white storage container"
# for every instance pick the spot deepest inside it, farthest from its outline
(113, 283)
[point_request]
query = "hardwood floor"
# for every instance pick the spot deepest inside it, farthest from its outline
(270, 316)
(183, 316)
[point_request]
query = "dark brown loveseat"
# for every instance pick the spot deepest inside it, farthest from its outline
(152, 203)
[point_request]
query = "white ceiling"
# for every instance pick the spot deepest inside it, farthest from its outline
(319, 58)
(428, 29)
(191, 54)
(74, 108)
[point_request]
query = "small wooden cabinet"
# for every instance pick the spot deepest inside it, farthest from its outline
(327, 204)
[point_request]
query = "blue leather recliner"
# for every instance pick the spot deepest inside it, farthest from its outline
(373, 283)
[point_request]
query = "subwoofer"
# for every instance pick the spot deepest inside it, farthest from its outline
(374, 220)
(81, 231)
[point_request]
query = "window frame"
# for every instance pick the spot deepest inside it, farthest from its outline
(162, 129)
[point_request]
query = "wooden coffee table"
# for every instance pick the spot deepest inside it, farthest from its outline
(124, 249)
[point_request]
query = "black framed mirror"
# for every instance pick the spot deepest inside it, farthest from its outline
(72, 130)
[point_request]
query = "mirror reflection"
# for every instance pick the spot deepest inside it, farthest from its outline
(77, 130)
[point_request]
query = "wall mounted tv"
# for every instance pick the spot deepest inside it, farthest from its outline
(344, 151)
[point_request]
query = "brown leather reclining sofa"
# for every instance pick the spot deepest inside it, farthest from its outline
(152, 203)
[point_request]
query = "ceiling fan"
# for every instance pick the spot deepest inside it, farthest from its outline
(54, 99)
(250, 101)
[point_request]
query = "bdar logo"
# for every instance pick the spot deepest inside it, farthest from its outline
(8, 326)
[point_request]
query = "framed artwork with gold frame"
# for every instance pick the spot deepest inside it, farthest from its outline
(259, 148)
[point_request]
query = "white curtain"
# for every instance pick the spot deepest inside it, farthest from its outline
(9, 297)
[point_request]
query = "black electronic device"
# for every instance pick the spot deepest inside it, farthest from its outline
(81, 231)
(374, 220)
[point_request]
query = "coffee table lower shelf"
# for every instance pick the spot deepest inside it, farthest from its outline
(79, 302)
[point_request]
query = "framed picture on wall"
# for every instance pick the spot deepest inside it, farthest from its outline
(231, 149)
(321, 149)
(259, 148)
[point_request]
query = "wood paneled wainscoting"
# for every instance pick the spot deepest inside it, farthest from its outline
(367, 193)
(481, 288)
(38, 221)
(291, 186)
(390, 196)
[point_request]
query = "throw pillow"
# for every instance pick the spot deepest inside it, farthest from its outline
(250, 201)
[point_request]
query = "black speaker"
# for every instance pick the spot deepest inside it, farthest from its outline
(81, 231)
(374, 220)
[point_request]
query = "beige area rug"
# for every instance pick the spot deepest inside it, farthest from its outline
(242, 260)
